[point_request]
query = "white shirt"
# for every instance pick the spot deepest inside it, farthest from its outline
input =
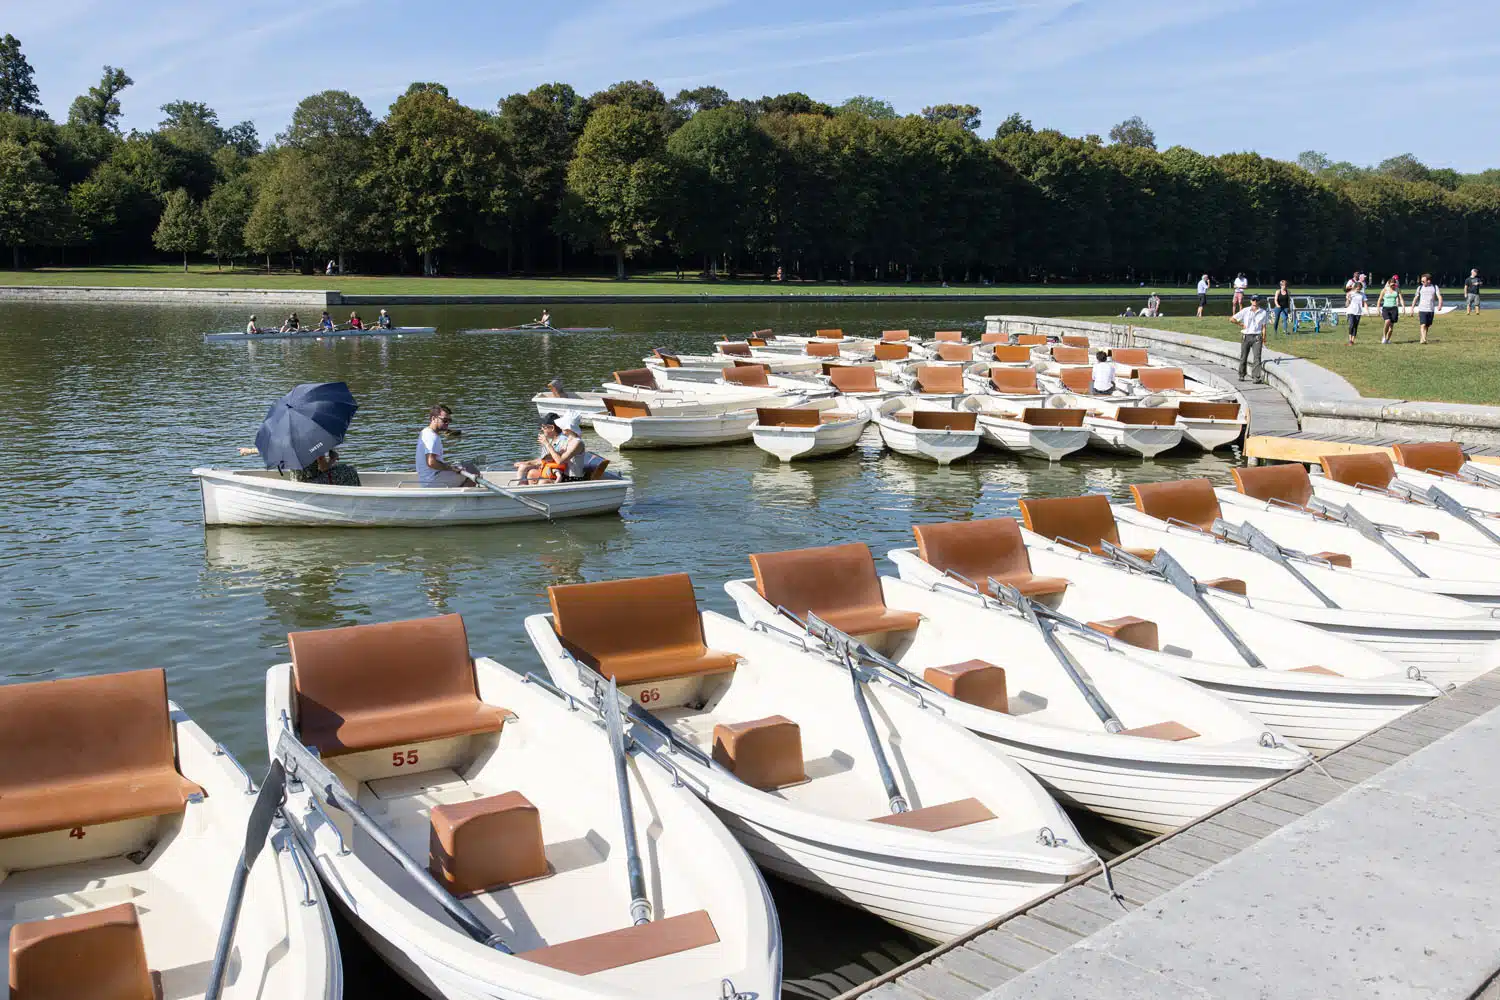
(1202, 286)
(1240, 284)
(1426, 298)
(428, 444)
(1104, 376)
(1254, 320)
(1356, 303)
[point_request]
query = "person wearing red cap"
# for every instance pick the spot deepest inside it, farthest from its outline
(1391, 304)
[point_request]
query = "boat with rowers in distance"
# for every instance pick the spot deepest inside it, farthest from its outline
(809, 430)
(911, 425)
(538, 328)
(831, 777)
(1049, 432)
(255, 497)
(128, 836)
(394, 331)
(1105, 732)
(489, 839)
(630, 423)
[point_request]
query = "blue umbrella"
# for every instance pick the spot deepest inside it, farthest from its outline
(305, 423)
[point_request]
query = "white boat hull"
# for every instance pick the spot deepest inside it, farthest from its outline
(250, 499)
(1051, 443)
(1131, 439)
(791, 443)
(1209, 434)
(675, 432)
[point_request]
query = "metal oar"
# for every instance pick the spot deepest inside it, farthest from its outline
(829, 635)
(1253, 538)
(608, 700)
(303, 765)
(1164, 567)
(1447, 504)
(1043, 623)
(1347, 515)
(1479, 477)
(256, 831)
(474, 476)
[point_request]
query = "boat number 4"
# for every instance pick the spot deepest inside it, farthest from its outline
(648, 695)
(406, 759)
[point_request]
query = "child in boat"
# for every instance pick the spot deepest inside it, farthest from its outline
(563, 456)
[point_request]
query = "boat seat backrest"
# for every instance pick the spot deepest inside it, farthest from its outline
(1031, 339)
(1161, 379)
(94, 955)
(976, 550)
(742, 363)
(370, 687)
(787, 417)
(1196, 409)
(1018, 381)
(838, 583)
(955, 352)
(1070, 355)
(853, 378)
(1191, 501)
(994, 338)
(944, 420)
(643, 631)
(626, 409)
(1371, 468)
(831, 334)
(943, 379)
(1038, 416)
(948, 336)
(636, 378)
(735, 348)
(1079, 380)
(1432, 456)
(670, 360)
(1133, 356)
(757, 376)
(817, 350)
(756, 341)
(894, 336)
(1076, 340)
(892, 352)
(1086, 520)
(1147, 416)
(85, 751)
(1286, 484)
(595, 467)
(765, 334)
(1012, 353)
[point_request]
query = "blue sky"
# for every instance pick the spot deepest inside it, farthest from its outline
(1275, 76)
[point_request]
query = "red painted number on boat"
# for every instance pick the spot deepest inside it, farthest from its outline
(399, 759)
(76, 833)
(649, 695)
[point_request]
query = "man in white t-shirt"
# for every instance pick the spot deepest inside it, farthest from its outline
(1102, 383)
(1202, 294)
(1354, 307)
(1252, 322)
(1425, 303)
(431, 469)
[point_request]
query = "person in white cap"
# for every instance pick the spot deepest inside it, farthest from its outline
(562, 457)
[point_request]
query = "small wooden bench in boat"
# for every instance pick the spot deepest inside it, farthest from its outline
(946, 380)
(1055, 416)
(1014, 381)
(817, 350)
(1085, 522)
(1197, 409)
(938, 420)
(1135, 357)
(948, 336)
(955, 352)
(895, 336)
(1070, 355)
(853, 378)
(985, 549)
(1079, 380)
(892, 352)
(751, 375)
(798, 417)
(1144, 416)
(1013, 354)
(626, 409)
(1161, 379)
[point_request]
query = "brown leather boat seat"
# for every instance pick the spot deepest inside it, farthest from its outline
(944, 816)
(1229, 584)
(626, 409)
(742, 363)
(639, 630)
(786, 417)
(955, 352)
(1146, 416)
(853, 378)
(1139, 632)
(636, 378)
(765, 334)
(838, 583)
(1070, 355)
(831, 334)
(83, 751)
(948, 336)
(596, 469)
(485, 844)
(756, 341)
(975, 682)
(1197, 409)
(940, 379)
(943, 420)
(1076, 340)
(736, 348)
(1079, 380)
(988, 547)
(817, 350)
(669, 360)
(94, 955)
(1372, 469)
(763, 753)
(1038, 416)
(1014, 354)
(1031, 339)
(1438, 457)
(367, 687)
(1135, 357)
(756, 376)
(1188, 501)
(628, 945)
(1334, 559)
(994, 338)
(1172, 732)
(1015, 381)
(1283, 484)
(1161, 379)
(895, 336)
(892, 352)
(1085, 521)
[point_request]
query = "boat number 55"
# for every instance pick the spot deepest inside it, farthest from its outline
(403, 759)
(647, 695)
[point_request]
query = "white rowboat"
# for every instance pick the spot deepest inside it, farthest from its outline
(636, 425)
(912, 426)
(1039, 431)
(809, 430)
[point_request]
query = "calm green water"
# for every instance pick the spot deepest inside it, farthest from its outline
(105, 565)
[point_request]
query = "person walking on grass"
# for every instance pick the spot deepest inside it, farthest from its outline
(1202, 294)
(1282, 313)
(1425, 303)
(1252, 323)
(1240, 284)
(1471, 292)
(1354, 307)
(1391, 304)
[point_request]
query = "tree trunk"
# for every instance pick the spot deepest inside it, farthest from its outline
(184, 262)
(15, 256)
(620, 265)
(341, 261)
(559, 253)
(268, 263)
(426, 263)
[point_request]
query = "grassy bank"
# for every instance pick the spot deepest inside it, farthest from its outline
(648, 283)
(1460, 363)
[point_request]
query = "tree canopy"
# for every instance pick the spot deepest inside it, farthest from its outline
(18, 93)
(101, 105)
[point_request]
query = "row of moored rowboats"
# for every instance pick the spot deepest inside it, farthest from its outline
(900, 742)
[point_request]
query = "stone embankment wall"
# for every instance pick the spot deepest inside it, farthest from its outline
(1325, 402)
(80, 294)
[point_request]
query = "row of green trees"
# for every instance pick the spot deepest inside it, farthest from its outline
(551, 179)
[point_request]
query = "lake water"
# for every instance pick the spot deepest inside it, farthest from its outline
(105, 565)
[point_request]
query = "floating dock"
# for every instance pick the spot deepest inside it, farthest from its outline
(1306, 447)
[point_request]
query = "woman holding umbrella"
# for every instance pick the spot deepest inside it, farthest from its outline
(301, 430)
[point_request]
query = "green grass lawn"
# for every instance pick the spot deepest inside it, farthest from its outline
(645, 283)
(1460, 363)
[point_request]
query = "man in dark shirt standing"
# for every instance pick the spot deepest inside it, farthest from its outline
(1471, 292)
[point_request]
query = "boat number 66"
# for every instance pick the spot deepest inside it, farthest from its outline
(648, 695)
